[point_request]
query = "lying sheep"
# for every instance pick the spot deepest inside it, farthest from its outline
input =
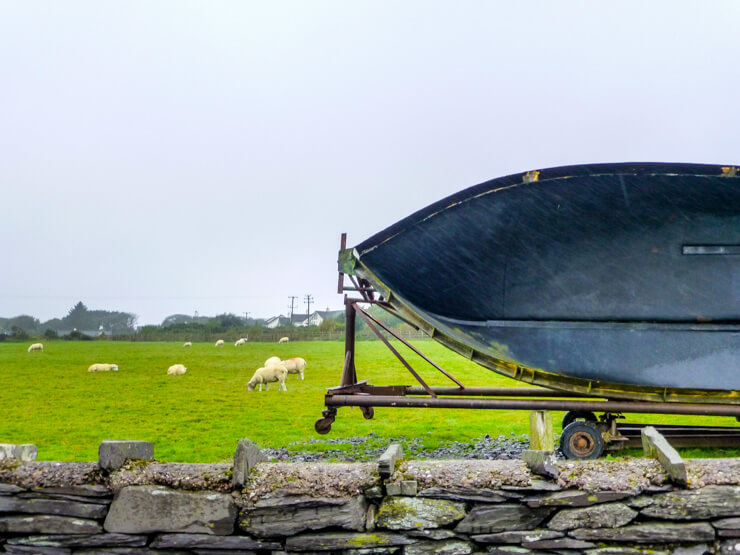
(295, 366)
(239, 342)
(176, 370)
(36, 347)
(187, 344)
(220, 343)
(273, 360)
(283, 340)
(103, 368)
(274, 373)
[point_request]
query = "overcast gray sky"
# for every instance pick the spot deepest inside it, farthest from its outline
(162, 157)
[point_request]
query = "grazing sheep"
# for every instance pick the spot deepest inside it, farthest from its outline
(295, 366)
(239, 342)
(274, 373)
(187, 344)
(176, 370)
(220, 343)
(36, 347)
(273, 360)
(283, 339)
(103, 368)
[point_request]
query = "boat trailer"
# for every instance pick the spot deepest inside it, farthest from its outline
(584, 436)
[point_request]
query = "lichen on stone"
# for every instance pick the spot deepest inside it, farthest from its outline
(328, 480)
(464, 473)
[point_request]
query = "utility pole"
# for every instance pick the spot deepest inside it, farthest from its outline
(309, 300)
(246, 317)
(292, 302)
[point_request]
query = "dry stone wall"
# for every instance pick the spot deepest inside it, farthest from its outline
(450, 507)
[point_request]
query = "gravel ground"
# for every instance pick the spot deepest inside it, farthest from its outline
(370, 447)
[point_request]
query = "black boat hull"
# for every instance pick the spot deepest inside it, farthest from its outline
(621, 279)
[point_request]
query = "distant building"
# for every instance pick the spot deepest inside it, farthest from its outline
(317, 317)
(277, 321)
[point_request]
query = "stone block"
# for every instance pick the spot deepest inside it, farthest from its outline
(205, 541)
(36, 550)
(576, 498)
(7, 489)
(444, 547)
(48, 524)
(393, 489)
(246, 456)
(338, 541)
(81, 540)
(649, 532)
(375, 492)
(25, 452)
(468, 495)
(541, 462)
(699, 504)
(608, 515)
(52, 507)
(409, 487)
(558, 544)
(112, 454)
(656, 446)
(413, 513)
(370, 517)
(146, 509)
(518, 536)
(387, 461)
(289, 515)
(502, 517)
(432, 534)
(727, 523)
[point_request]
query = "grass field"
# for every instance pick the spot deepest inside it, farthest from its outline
(49, 399)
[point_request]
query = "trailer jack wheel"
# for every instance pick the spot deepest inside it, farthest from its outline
(581, 440)
(368, 412)
(323, 425)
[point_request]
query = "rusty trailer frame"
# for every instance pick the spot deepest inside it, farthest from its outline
(353, 393)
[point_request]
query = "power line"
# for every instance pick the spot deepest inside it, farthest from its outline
(308, 299)
(292, 302)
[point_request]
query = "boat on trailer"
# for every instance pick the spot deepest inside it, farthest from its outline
(619, 281)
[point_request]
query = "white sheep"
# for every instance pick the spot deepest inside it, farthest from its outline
(274, 373)
(295, 366)
(176, 370)
(103, 368)
(273, 360)
(239, 342)
(36, 347)
(220, 343)
(187, 344)
(283, 339)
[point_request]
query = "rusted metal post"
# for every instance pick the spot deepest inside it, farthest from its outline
(349, 374)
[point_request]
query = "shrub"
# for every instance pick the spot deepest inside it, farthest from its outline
(76, 335)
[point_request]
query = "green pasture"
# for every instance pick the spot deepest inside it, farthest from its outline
(48, 398)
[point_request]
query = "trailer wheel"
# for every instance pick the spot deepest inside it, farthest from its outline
(573, 415)
(368, 412)
(323, 425)
(581, 440)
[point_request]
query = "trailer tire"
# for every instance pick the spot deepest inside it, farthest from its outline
(573, 415)
(581, 440)
(323, 425)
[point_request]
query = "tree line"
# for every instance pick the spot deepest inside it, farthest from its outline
(81, 323)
